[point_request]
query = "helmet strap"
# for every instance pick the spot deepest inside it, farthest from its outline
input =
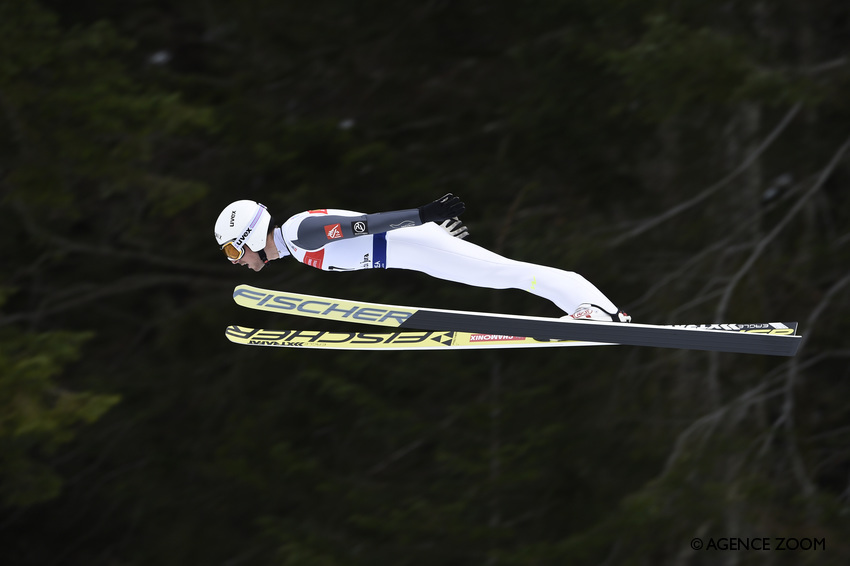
(263, 256)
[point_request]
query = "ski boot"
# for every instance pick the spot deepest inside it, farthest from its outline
(587, 311)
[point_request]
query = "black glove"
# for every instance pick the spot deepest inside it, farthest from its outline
(445, 207)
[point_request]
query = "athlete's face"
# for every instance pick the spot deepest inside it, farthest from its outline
(251, 259)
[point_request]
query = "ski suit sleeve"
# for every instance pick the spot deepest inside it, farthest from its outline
(317, 231)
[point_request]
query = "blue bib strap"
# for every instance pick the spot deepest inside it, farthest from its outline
(379, 251)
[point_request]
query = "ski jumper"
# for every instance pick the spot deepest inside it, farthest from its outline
(343, 240)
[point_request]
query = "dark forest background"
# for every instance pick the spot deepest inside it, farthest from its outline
(688, 157)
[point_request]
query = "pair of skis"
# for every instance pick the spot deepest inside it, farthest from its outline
(438, 329)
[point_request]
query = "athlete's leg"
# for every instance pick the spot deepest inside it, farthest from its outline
(429, 249)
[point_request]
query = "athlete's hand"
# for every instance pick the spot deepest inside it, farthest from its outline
(445, 207)
(455, 228)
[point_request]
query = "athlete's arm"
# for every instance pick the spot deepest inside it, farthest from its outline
(316, 231)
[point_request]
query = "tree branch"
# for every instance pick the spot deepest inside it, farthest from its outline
(762, 245)
(678, 209)
(87, 294)
(787, 415)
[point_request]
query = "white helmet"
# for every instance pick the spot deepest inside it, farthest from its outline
(242, 223)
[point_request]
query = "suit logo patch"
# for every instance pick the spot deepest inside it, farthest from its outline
(333, 231)
(360, 227)
(314, 259)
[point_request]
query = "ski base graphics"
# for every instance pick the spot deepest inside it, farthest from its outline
(408, 340)
(774, 338)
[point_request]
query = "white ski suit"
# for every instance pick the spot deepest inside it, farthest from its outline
(343, 240)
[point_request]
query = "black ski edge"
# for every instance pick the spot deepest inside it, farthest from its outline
(658, 337)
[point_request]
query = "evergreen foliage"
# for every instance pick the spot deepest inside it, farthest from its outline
(690, 158)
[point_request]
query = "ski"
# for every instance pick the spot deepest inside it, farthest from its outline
(407, 340)
(775, 338)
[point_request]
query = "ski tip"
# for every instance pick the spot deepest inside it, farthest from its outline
(790, 328)
(774, 328)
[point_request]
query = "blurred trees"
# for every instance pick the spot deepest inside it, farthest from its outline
(689, 158)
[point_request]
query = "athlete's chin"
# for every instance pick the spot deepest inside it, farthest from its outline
(257, 267)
